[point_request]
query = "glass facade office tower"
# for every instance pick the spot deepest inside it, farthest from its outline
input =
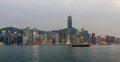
(69, 22)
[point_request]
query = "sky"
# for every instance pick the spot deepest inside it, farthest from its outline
(99, 16)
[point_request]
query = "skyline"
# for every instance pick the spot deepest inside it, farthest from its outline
(99, 16)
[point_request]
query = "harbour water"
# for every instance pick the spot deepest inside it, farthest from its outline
(94, 53)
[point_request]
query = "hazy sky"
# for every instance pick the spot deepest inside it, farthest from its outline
(99, 16)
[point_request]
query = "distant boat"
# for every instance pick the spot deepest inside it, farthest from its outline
(104, 43)
(82, 44)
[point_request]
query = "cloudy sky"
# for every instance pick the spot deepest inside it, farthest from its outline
(99, 16)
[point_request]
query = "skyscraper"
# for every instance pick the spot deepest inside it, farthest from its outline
(69, 26)
(27, 37)
(27, 31)
(69, 22)
(4, 34)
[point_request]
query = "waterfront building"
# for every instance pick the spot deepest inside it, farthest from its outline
(43, 39)
(57, 38)
(4, 35)
(117, 40)
(46, 38)
(107, 38)
(9, 38)
(20, 39)
(76, 38)
(99, 39)
(93, 38)
(37, 39)
(1, 38)
(28, 31)
(33, 38)
(82, 29)
(3, 32)
(84, 35)
(27, 37)
(50, 37)
(112, 39)
(15, 38)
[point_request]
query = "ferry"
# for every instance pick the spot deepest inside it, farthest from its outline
(82, 44)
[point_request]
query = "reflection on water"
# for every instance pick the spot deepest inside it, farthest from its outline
(35, 53)
(94, 53)
(107, 53)
(112, 53)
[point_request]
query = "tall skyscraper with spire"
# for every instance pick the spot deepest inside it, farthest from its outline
(69, 22)
(69, 26)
